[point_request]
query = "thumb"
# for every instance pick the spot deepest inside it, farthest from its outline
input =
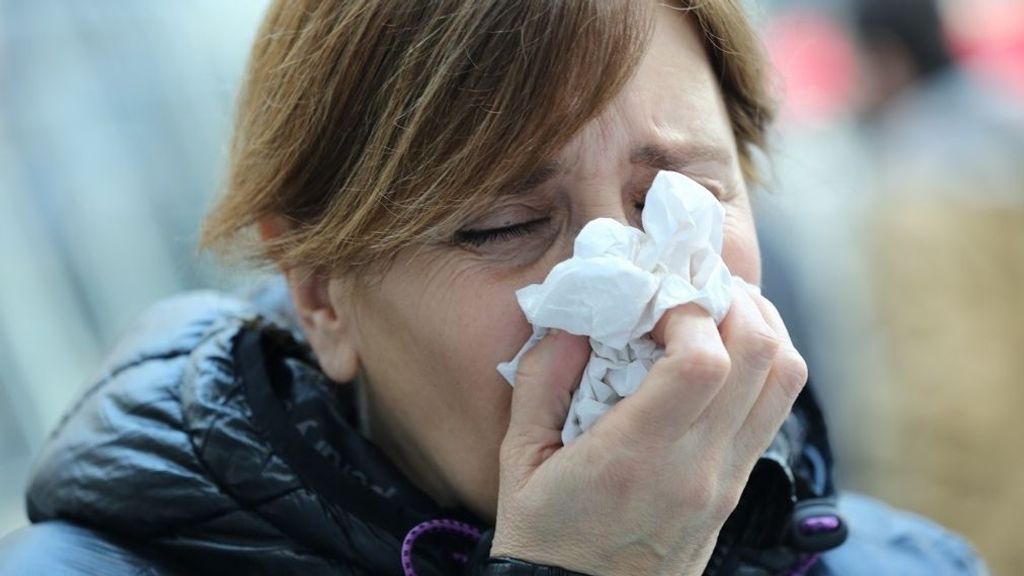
(547, 375)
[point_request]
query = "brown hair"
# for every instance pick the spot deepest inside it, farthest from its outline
(371, 125)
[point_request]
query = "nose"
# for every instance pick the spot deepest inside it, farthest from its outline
(598, 197)
(606, 199)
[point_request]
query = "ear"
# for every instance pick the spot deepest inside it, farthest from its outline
(323, 312)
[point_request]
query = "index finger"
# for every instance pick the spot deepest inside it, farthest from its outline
(682, 383)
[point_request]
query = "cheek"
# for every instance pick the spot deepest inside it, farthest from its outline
(435, 333)
(444, 329)
(464, 420)
(483, 324)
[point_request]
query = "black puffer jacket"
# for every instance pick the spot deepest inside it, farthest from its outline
(212, 444)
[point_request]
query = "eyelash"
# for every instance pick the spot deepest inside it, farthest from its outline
(477, 238)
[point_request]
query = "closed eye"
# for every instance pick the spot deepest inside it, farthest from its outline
(480, 237)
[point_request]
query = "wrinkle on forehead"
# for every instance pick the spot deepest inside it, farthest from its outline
(673, 103)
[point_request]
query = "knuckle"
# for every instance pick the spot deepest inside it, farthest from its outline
(760, 347)
(768, 304)
(713, 494)
(727, 499)
(704, 364)
(700, 492)
(793, 372)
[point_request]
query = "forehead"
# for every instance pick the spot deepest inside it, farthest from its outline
(669, 116)
(670, 111)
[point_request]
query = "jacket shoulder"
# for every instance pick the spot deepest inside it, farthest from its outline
(176, 325)
(886, 541)
(65, 548)
(128, 428)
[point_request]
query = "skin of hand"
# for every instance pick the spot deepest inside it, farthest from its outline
(647, 489)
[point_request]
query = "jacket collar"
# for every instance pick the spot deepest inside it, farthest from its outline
(796, 468)
(225, 443)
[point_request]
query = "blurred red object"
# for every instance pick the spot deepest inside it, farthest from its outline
(987, 37)
(813, 55)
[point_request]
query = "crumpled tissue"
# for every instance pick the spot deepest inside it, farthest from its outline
(620, 281)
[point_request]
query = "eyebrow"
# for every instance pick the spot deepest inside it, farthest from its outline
(662, 158)
(537, 177)
(651, 155)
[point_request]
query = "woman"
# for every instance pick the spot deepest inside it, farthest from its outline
(408, 166)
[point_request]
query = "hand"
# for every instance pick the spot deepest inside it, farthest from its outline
(647, 489)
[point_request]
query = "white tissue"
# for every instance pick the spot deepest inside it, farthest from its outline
(618, 284)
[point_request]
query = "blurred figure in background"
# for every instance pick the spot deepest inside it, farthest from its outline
(947, 270)
(896, 236)
(931, 127)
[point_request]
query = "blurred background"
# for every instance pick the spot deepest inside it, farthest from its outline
(892, 222)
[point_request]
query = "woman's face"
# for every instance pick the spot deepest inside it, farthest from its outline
(429, 336)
